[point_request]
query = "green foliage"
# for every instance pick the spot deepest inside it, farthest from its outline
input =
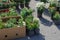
(56, 16)
(36, 24)
(9, 25)
(20, 22)
(12, 12)
(52, 4)
(1, 24)
(30, 26)
(52, 10)
(41, 9)
(12, 20)
(25, 12)
(29, 19)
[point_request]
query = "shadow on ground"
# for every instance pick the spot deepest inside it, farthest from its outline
(45, 22)
(46, 12)
(58, 26)
(36, 0)
(36, 37)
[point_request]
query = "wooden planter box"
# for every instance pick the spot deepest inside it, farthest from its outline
(57, 22)
(7, 18)
(11, 33)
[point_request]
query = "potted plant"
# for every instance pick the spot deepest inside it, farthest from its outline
(29, 25)
(27, 3)
(52, 11)
(58, 6)
(30, 29)
(40, 8)
(25, 12)
(56, 18)
(36, 26)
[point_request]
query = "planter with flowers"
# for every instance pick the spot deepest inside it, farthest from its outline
(56, 18)
(40, 9)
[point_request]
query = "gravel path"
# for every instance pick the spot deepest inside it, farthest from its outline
(47, 28)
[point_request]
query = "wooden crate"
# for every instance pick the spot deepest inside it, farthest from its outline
(11, 33)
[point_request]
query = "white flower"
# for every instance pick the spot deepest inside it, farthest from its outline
(18, 26)
(39, 4)
(36, 19)
(24, 24)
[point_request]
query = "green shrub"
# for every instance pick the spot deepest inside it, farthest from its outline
(26, 12)
(56, 16)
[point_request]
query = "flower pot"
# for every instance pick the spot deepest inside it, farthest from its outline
(39, 13)
(30, 33)
(57, 8)
(27, 5)
(22, 5)
(37, 31)
(57, 22)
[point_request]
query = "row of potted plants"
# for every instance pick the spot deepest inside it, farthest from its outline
(22, 3)
(52, 10)
(32, 24)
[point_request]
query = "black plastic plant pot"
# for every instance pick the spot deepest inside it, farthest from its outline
(37, 31)
(30, 33)
(22, 5)
(39, 13)
(57, 22)
(57, 8)
(27, 5)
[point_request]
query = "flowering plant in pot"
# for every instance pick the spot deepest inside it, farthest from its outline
(56, 18)
(40, 8)
(27, 3)
(52, 11)
(36, 26)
